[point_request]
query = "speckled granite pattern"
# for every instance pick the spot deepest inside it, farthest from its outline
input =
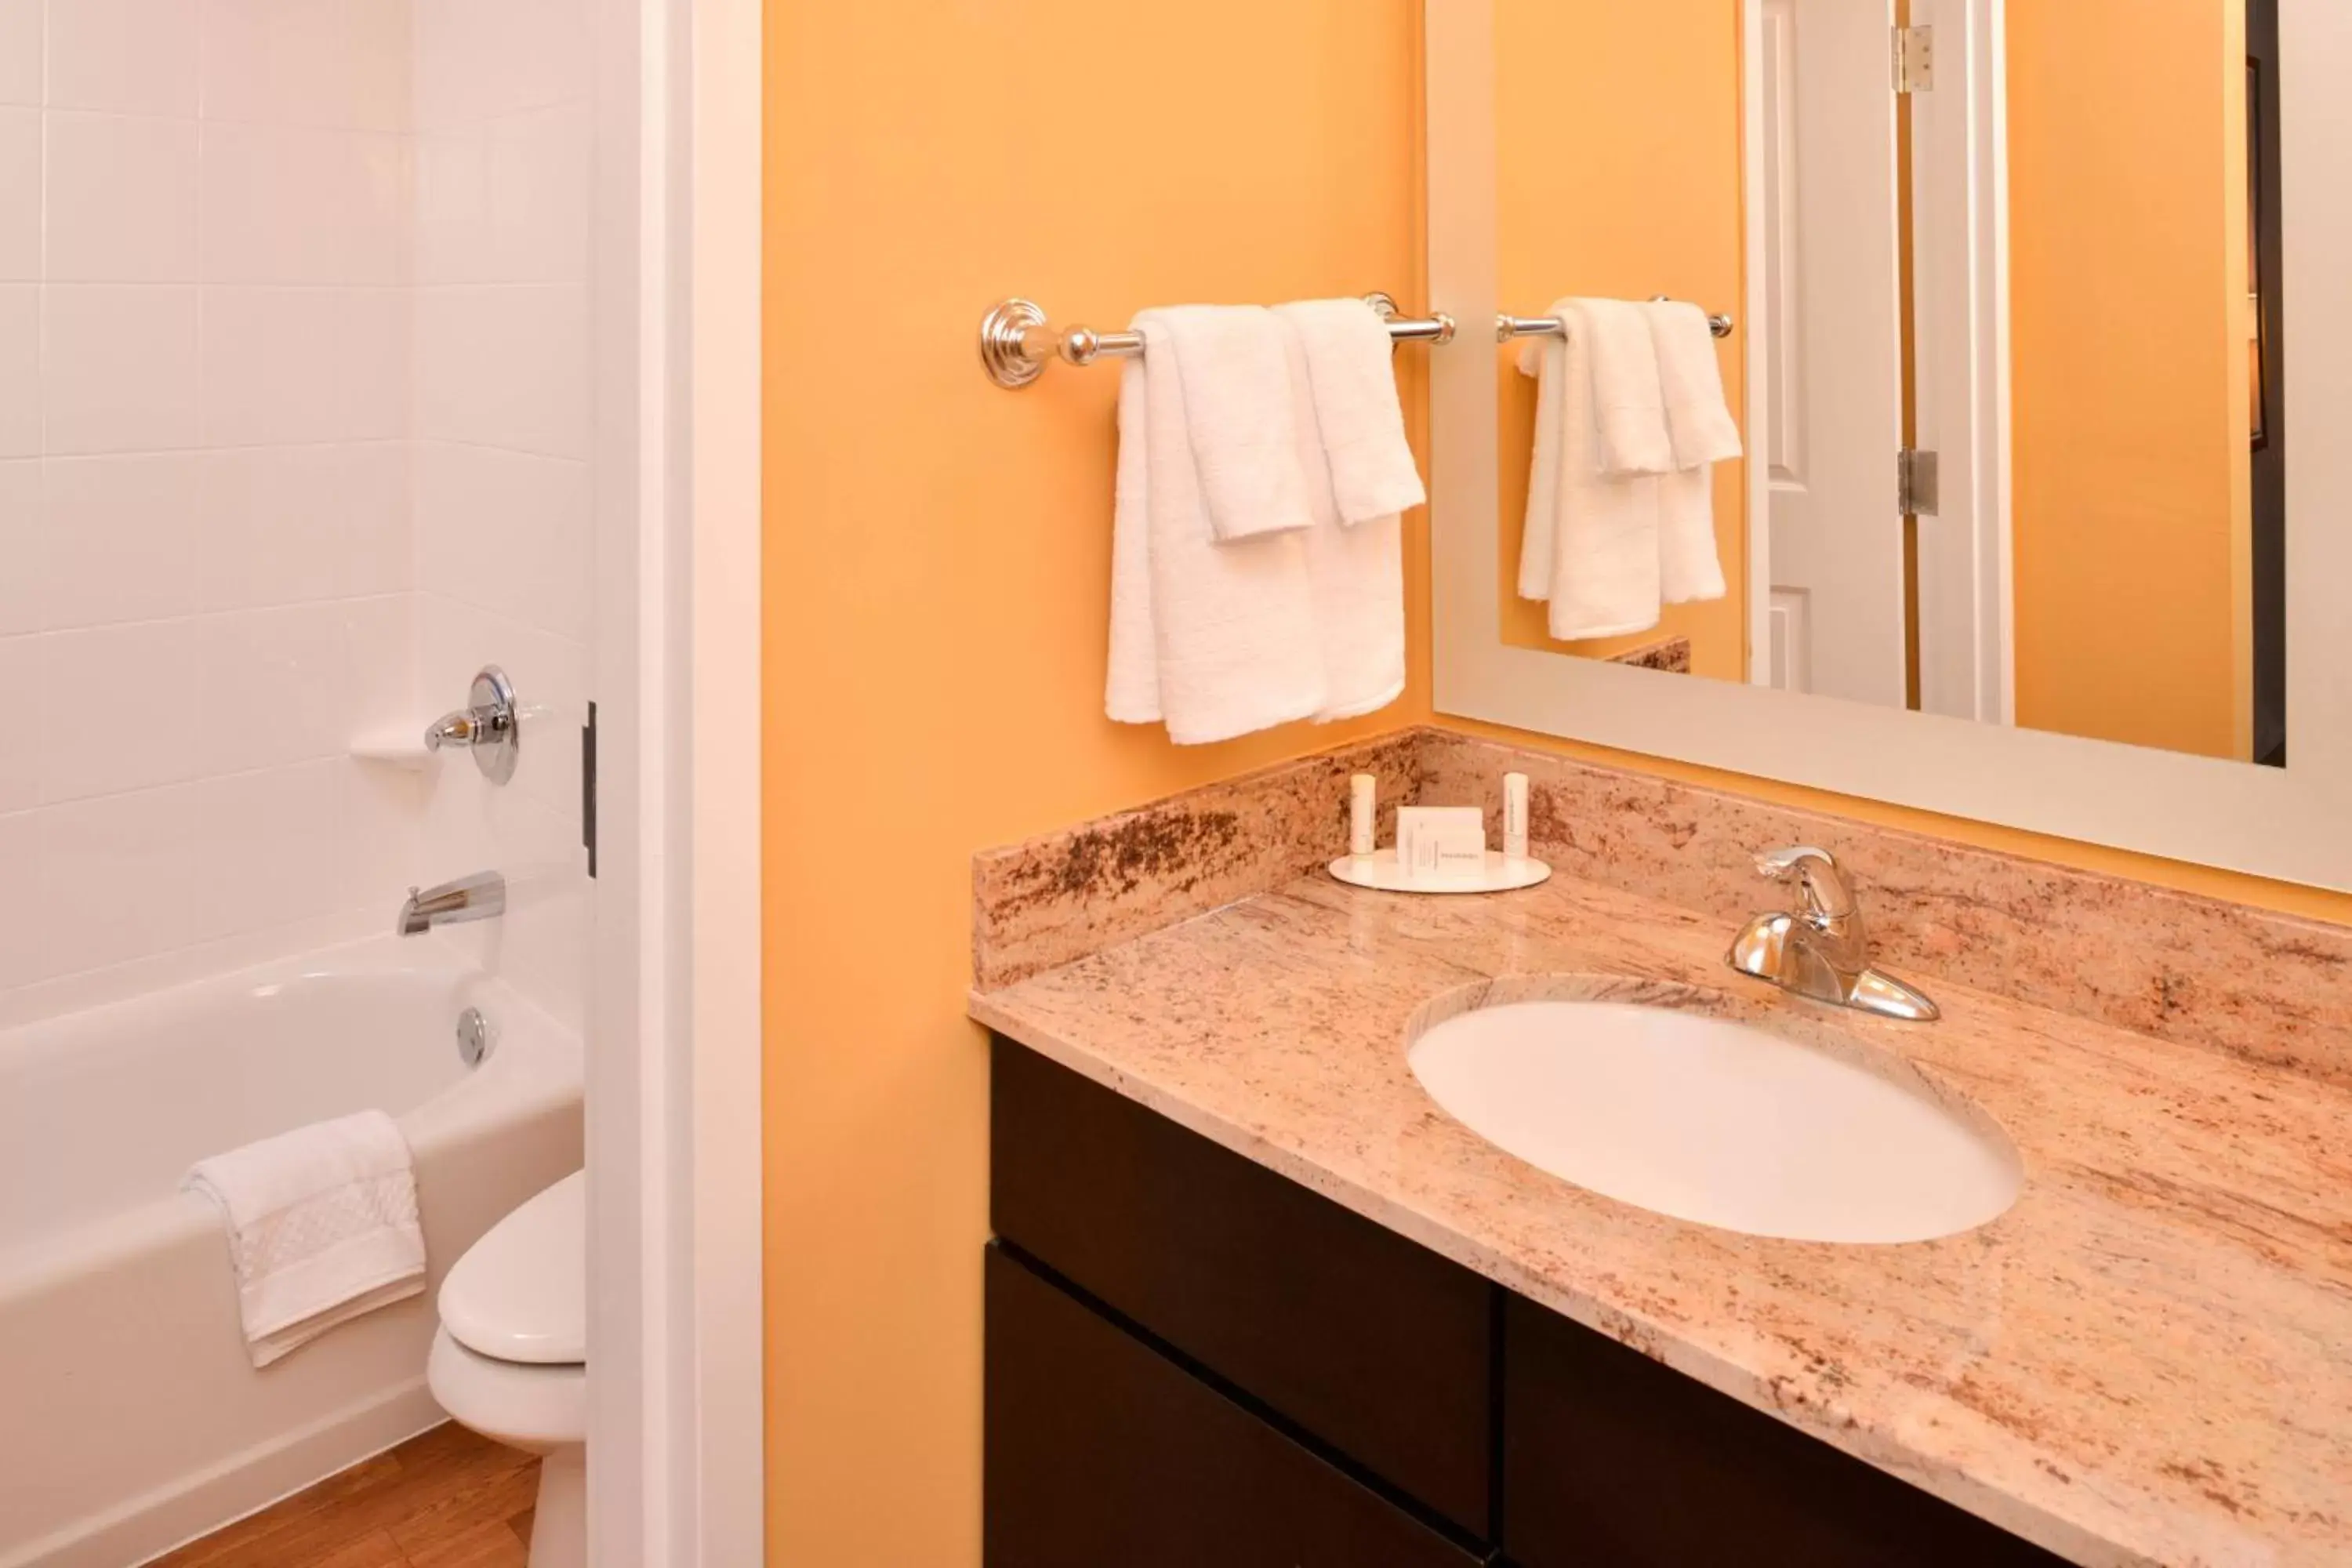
(2267, 987)
(2144, 1361)
(1065, 895)
(1672, 657)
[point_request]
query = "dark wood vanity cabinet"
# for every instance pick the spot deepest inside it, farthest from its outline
(1194, 1361)
(1377, 1346)
(1610, 1458)
(1104, 1453)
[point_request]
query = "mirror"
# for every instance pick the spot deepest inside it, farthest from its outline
(2037, 242)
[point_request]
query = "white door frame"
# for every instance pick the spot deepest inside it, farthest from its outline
(725, 1482)
(1960, 295)
(1959, 161)
(1847, 362)
(675, 1331)
(1758, 313)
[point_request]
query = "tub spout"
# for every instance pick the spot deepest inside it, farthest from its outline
(474, 898)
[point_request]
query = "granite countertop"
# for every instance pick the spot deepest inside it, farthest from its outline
(2148, 1359)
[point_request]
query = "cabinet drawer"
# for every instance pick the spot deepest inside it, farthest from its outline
(1610, 1458)
(1377, 1347)
(1101, 1451)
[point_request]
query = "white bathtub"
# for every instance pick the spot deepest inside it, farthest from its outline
(130, 1418)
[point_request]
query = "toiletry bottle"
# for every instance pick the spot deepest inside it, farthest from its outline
(1363, 803)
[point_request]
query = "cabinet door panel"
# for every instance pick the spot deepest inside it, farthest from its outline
(1610, 1458)
(1378, 1346)
(1101, 1451)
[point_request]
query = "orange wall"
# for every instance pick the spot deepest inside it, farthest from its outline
(936, 572)
(1599, 109)
(936, 563)
(2128, 246)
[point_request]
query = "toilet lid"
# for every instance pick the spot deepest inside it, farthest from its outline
(520, 1293)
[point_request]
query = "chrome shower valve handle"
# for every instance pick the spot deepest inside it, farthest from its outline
(491, 729)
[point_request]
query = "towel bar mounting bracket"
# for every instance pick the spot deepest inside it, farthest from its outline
(1004, 338)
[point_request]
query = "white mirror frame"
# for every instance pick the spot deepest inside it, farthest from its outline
(2293, 823)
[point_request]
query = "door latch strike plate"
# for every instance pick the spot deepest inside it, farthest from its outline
(1917, 491)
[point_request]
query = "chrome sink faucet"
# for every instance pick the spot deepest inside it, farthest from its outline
(476, 898)
(1824, 953)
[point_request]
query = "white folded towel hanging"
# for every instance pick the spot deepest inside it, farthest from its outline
(1351, 376)
(1690, 380)
(1236, 381)
(1590, 546)
(322, 1227)
(1212, 637)
(1689, 567)
(1546, 360)
(1629, 403)
(1703, 432)
(1355, 566)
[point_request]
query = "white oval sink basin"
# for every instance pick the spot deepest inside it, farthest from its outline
(1707, 1119)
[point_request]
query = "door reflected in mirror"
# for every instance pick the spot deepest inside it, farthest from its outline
(2007, 365)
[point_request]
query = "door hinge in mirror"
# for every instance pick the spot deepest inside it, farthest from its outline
(1915, 59)
(1917, 493)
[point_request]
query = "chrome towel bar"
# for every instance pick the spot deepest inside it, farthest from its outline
(1509, 326)
(1016, 341)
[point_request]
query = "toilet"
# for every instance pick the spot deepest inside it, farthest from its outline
(510, 1357)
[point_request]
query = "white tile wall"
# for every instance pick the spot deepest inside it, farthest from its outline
(287, 366)
(115, 878)
(502, 411)
(341, 64)
(205, 486)
(20, 370)
(20, 714)
(507, 532)
(307, 523)
(20, 192)
(117, 541)
(481, 60)
(505, 366)
(296, 395)
(20, 51)
(134, 57)
(289, 205)
(120, 198)
(118, 709)
(23, 920)
(20, 515)
(118, 367)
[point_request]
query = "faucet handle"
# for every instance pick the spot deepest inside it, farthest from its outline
(490, 729)
(1827, 896)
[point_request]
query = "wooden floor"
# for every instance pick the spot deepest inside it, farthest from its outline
(447, 1499)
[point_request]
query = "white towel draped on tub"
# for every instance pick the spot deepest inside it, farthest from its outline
(322, 1228)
